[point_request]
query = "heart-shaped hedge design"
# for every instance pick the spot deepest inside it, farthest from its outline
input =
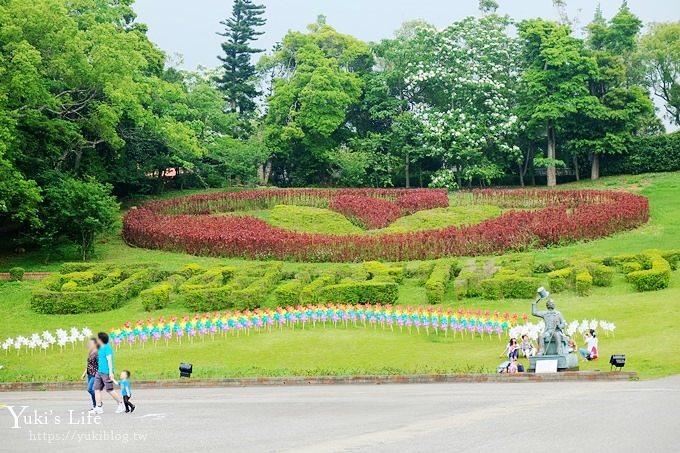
(538, 218)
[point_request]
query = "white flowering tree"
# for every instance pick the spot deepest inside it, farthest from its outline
(467, 84)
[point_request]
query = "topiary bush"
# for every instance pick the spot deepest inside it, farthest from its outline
(508, 284)
(602, 275)
(657, 277)
(379, 271)
(16, 274)
(584, 283)
(309, 293)
(559, 280)
(255, 295)
(176, 281)
(420, 270)
(288, 293)
(46, 300)
(190, 270)
(360, 293)
(631, 266)
(435, 286)
(156, 298)
(209, 299)
(210, 278)
(673, 258)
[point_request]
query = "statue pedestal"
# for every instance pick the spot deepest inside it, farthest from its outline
(567, 362)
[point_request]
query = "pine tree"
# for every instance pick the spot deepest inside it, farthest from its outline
(241, 29)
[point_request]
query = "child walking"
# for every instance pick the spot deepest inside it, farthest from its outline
(126, 390)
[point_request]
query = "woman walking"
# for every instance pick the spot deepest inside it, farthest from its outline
(91, 368)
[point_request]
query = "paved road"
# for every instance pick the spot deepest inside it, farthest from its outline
(586, 417)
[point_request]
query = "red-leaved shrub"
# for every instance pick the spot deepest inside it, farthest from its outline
(558, 217)
(370, 213)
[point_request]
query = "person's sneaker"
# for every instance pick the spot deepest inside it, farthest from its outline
(96, 411)
(132, 409)
(121, 408)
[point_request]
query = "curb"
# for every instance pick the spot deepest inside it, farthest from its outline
(567, 376)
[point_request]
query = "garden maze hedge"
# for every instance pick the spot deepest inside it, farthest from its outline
(93, 288)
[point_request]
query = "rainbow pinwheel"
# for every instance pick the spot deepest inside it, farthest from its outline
(429, 320)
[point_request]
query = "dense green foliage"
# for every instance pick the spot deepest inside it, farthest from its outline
(652, 153)
(86, 98)
(16, 274)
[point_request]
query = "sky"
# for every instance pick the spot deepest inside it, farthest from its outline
(189, 27)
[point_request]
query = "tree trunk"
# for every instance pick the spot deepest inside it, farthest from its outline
(595, 168)
(420, 173)
(576, 171)
(264, 172)
(552, 152)
(521, 175)
(407, 172)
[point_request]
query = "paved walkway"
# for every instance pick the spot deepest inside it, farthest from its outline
(585, 417)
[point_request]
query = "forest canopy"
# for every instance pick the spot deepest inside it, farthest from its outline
(89, 102)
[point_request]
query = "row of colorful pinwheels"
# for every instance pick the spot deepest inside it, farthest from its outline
(412, 320)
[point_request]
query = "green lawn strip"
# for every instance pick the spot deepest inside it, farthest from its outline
(442, 217)
(263, 214)
(306, 219)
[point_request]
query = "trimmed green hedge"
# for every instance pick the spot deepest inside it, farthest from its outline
(156, 298)
(379, 271)
(420, 270)
(657, 277)
(602, 275)
(509, 285)
(255, 295)
(631, 266)
(47, 301)
(16, 274)
(584, 283)
(656, 153)
(435, 286)
(209, 299)
(210, 278)
(190, 270)
(288, 293)
(673, 258)
(239, 293)
(559, 280)
(309, 293)
(360, 292)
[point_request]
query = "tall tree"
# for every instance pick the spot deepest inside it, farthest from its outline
(238, 79)
(319, 80)
(623, 110)
(555, 81)
(466, 78)
(660, 56)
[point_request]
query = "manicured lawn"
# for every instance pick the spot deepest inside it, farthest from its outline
(442, 218)
(312, 220)
(646, 333)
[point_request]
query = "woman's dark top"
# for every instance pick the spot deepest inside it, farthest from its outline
(92, 363)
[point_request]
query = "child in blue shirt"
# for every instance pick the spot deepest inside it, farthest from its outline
(126, 390)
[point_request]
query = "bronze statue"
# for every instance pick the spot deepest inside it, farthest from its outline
(553, 332)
